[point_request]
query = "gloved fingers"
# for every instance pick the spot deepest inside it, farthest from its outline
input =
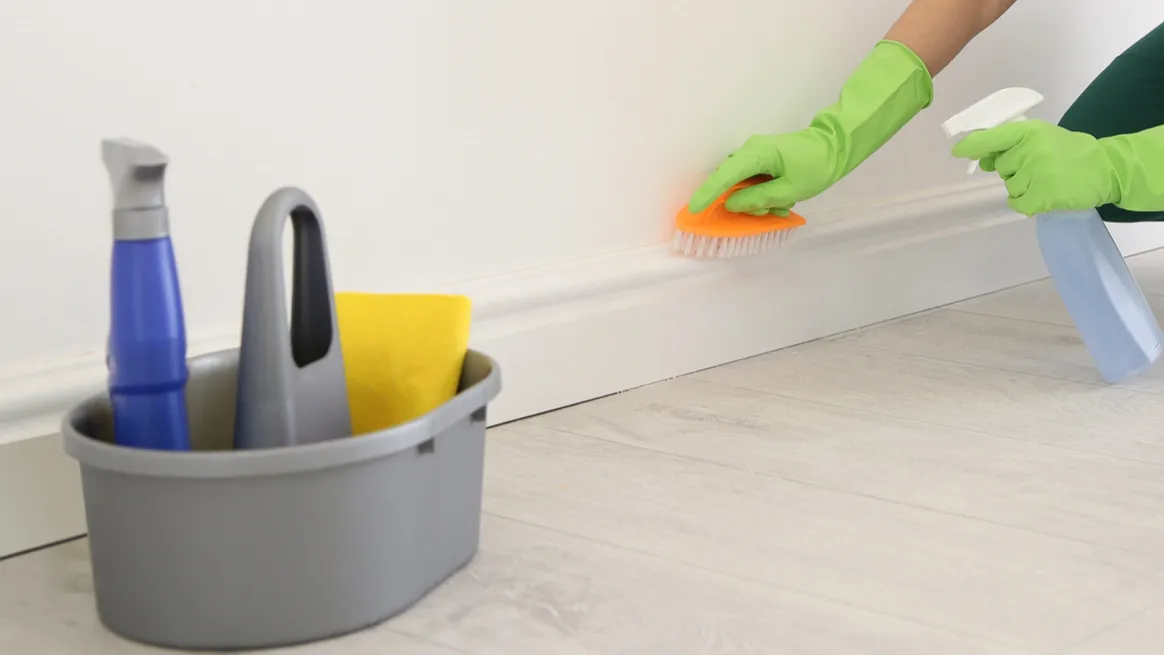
(988, 164)
(985, 143)
(738, 167)
(1008, 164)
(1028, 205)
(1018, 187)
(773, 194)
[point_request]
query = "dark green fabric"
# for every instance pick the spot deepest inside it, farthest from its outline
(1127, 97)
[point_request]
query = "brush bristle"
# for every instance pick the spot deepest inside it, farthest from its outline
(705, 247)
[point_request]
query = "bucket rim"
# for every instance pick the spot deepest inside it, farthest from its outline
(90, 452)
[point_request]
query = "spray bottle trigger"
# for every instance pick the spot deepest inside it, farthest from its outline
(1005, 106)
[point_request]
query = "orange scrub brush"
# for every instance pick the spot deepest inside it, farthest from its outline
(716, 233)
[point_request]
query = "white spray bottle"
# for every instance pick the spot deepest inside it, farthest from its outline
(1088, 269)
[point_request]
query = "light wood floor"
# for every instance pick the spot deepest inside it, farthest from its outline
(954, 482)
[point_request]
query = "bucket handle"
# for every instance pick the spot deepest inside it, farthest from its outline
(313, 332)
(297, 370)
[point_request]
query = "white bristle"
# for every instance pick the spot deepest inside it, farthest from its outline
(702, 247)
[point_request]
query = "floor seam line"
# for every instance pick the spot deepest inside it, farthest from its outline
(988, 367)
(858, 494)
(931, 423)
(1110, 627)
(762, 583)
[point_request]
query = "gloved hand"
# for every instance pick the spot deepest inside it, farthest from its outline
(802, 164)
(887, 90)
(1049, 168)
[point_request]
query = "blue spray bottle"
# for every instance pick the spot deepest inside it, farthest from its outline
(1089, 271)
(147, 333)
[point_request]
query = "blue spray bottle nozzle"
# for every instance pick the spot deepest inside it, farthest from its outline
(147, 333)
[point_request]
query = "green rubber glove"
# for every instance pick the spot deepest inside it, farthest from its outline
(1049, 168)
(887, 90)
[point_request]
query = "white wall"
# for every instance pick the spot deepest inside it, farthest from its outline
(444, 139)
(454, 139)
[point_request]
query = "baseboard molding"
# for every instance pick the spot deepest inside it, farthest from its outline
(40, 495)
(579, 330)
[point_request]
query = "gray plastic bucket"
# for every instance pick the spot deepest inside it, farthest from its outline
(222, 549)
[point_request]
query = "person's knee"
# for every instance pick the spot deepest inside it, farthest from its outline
(1127, 97)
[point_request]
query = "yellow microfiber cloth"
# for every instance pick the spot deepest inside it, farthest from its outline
(402, 354)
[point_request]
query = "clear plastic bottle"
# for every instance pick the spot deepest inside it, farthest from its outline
(1109, 310)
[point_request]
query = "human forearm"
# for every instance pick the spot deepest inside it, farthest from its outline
(889, 87)
(1138, 161)
(937, 30)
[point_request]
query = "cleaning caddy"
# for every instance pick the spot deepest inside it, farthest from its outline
(303, 531)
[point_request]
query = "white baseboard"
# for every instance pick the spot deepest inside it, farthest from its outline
(572, 332)
(40, 495)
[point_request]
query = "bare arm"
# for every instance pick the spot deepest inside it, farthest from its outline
(937, 30)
